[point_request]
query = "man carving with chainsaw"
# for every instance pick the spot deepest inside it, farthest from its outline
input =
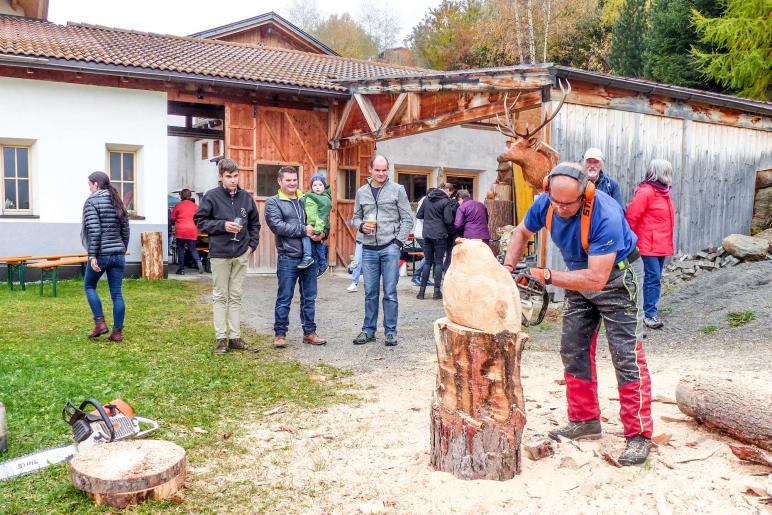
(603, 282)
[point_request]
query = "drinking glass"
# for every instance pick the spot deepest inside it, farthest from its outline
(238, 220)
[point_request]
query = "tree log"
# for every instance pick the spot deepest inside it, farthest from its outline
(478, 409)
(152, 256)
(130, 471)
(739, 411)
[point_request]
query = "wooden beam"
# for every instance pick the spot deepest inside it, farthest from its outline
(479, 83)
(198, 110)
(371, 116)
(449, 119)
(396, 111)
(192, 132)
(333, 126)
(413, 107)
(342, 120)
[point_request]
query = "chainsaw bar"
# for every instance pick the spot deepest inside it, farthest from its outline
(36, 461)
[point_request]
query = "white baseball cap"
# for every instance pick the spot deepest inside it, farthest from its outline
(593, 153)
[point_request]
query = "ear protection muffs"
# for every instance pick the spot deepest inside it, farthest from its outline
(589, 188)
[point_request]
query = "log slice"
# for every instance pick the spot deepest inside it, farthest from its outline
(128, 472)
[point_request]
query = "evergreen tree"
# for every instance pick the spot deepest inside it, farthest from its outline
(669, 41)
(627, 39)
(742, 59)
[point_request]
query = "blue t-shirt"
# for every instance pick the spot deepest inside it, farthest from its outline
(609, 231)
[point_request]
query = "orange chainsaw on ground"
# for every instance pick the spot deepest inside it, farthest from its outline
(104, 424)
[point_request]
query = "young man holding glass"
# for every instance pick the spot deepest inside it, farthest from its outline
(229, 216)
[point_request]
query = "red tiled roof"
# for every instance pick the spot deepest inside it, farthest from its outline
(107, 46)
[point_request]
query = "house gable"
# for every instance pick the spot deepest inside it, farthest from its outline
(270, 30)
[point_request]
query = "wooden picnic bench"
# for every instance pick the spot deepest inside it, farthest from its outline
(51, 268)
(20, 263)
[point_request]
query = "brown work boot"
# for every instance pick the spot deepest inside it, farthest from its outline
(238, 344)
(314, 339)
(116, 335)
(280, 341)
(100, 328)
(222, 346)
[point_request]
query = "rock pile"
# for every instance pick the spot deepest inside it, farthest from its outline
(735, 249)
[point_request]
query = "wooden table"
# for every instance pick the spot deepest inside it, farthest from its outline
(20, 264)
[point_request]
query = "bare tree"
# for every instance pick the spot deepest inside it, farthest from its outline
(531, 39)
(305, 14)
(380, 23)
(519, 34)
(547, 14)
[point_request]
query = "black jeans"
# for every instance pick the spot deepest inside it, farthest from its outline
(191, 246)
(434, 253)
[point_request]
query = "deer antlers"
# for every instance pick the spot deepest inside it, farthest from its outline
(508, 126)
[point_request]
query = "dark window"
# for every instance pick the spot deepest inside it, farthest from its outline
(347, 183)
(122, 176)
(204, 151)
(265, 179)
(462, 183)
(415, 185)
(15, 185)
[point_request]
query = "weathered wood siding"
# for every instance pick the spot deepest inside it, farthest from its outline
(714, 166)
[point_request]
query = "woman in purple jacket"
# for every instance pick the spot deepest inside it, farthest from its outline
(471, 218)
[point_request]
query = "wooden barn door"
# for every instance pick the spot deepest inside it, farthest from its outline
(261, 134)
(345, 240)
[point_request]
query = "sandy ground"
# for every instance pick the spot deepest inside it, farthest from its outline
(372, 456)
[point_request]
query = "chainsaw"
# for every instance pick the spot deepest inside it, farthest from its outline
(532, 292)
(104, 424)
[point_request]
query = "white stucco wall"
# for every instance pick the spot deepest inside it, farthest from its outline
(187, 169)
(456, 149)
(70, 127)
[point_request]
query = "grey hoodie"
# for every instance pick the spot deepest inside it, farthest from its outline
(391, 210)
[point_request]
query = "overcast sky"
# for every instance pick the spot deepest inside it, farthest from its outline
(183, 17)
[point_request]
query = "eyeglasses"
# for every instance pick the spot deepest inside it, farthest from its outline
(566, 205)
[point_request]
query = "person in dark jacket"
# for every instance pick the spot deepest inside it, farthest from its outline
(105, 235)
(229, 216)
(185, 231)
(471, 218)
(286, 216)
(437, 214)
(651, 217)
(451, 191)
(593, 162)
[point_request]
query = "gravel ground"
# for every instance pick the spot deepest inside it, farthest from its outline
(687, 312)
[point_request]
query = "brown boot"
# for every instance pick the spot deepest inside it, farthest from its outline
(280, 341)
(222, 346)
(100, 328)
(116, 335)
(314, 339)
(238, 344)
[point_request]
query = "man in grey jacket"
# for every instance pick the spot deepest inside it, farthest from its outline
(382, 214)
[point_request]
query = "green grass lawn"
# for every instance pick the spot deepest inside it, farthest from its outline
(164, 368)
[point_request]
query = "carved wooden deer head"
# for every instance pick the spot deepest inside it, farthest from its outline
(535, 157)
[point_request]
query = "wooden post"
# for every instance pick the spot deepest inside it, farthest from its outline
(152, 256)
(478, 410)
(332, 178)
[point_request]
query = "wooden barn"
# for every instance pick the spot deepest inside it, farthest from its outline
(78, 97)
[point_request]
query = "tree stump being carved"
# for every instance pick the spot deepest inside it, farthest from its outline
(742, 412)
(478, 409)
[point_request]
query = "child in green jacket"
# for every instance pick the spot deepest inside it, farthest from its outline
(318, 204)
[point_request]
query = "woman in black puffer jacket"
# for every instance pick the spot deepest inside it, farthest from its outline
(105, 235)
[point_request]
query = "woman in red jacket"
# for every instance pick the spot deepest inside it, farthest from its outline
(651, 216)
(185, 231)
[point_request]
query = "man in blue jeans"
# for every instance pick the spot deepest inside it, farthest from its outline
(286, 216)
(382, 214)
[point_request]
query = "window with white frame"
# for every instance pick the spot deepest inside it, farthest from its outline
(123, 176)
(16, 187)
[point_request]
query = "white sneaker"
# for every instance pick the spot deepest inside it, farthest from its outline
(352, 288)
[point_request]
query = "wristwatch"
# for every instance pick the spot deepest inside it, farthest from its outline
(547, 276)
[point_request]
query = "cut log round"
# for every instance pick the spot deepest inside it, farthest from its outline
(128, 472)
(478, 410)
(742, 412)
(152, 255)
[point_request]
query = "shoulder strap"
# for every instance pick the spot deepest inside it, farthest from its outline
(585, 221)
